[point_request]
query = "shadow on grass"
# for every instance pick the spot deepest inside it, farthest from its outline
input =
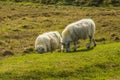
(82, 50)
(86, 49)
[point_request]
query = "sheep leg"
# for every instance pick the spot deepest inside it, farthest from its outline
(75, 45)
(91, 40)
(89, 44)
(62, 48)
(46, 49)
(68, 47)
(50, 46)
(94, 42)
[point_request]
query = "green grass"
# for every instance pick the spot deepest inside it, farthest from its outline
(100, 63)
(21, 23)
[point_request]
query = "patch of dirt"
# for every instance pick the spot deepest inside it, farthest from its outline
(1, 42)
(28, 50)
(113, 35)
(7, 53)
(46, 14)
(27, 27)
(16, 30)
(1, 19)
(116, 38)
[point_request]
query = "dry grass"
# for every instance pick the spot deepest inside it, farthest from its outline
(20, 24)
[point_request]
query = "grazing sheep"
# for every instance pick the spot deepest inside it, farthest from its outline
(81, 29)
(48, 41)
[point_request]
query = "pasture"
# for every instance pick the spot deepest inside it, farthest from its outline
(21, 23)
(100, 63)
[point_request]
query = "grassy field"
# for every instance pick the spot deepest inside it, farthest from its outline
(100, 63)
(21, 23)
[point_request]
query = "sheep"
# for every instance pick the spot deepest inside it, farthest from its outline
(48, 42)
(81, 29)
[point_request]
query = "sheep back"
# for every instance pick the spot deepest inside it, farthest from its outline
(49, 40)
(79, 30)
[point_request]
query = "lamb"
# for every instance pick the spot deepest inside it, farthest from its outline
(48, 42)
(81, 29)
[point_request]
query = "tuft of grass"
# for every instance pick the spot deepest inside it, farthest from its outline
(100, 63)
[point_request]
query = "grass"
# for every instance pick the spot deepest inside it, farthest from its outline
(100, 63)
(21, 23)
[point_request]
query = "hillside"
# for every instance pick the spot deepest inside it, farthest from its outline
(100, 63)
(21, 23)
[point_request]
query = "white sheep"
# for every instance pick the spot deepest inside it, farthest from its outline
(48, 41)
(81, 29)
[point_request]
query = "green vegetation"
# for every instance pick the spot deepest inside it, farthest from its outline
(74, 2)
(100, 63)
(21, 23)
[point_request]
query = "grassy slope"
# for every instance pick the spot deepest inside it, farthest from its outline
(21, 23)
(100, 63)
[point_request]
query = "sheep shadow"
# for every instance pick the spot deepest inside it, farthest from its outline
(85, 49)
(82, 50)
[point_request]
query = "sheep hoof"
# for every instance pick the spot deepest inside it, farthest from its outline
(88, 46)
(94, 45)
(67, 51)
